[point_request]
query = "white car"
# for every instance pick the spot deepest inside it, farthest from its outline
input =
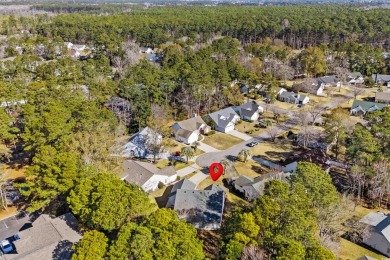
(6, 246)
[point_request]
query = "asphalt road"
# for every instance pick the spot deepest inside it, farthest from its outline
(205, 160)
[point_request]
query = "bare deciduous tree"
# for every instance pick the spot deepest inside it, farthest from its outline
(132, 53)
(315, 112)
(273, 133)
(380, 183)
(252, 252)
(356, 91)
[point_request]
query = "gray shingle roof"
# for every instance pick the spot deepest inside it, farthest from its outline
(243, 180)
(382, 95)
(140, 172)
(223, 117)
(333, 79)
(201, 208)
(184, 133)
(191, 124)
(41, 240)
(380, 222)
(249, 109)
(355, 75)
(380, 78)
(167, 171)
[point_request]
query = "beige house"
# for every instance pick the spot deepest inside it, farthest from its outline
(382, 97)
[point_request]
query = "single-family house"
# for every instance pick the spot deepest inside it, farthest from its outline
(250, 111)
(47, 238)
(293, 98)
(146, 50)
(362, 107)
(379, 233)
(146, 175)
(262, 90)
(329, 81)
(382, 97)
(224, 120)
(142, 144)
(201, 208)
(253, 188)
(355, 78)
(188, 131)
(381, 79)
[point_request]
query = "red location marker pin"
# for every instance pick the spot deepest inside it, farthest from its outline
(216, 170)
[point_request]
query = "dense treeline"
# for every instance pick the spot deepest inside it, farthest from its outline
(297, 26)
(82, 8)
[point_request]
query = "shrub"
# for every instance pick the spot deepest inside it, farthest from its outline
(160, 185)
(211, 132)
(178, 178)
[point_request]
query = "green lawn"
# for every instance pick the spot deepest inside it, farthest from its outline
(221, 141)
(177, 164)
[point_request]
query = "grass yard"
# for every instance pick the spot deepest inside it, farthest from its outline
(177, 164)
(8, 213)
(352, 251)
(221, 141)
(230, 197)
(273, 151)
(13, 173)
(244, 127)
(251, 168)
(174, 146)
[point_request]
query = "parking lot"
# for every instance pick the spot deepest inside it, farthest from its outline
(12, 225)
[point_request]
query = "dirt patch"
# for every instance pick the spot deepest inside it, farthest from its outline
(8, 213)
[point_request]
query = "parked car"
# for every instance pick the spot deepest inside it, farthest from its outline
(6, 246)
(251, 144)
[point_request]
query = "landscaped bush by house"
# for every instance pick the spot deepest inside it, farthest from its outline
(239, 122)
(211, 132)
(178, 178)
(160, 185)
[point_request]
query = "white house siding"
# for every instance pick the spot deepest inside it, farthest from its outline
(152, 183)
(228, 128)
(192, 138)
(170, 179)
(305, 101)
(320, 90)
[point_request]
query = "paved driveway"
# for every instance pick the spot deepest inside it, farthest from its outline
(12, 225)
(188, 170)
(207, 148)
(240, 135)
(198, 177)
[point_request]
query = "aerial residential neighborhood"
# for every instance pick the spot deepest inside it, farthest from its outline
(238, 130)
